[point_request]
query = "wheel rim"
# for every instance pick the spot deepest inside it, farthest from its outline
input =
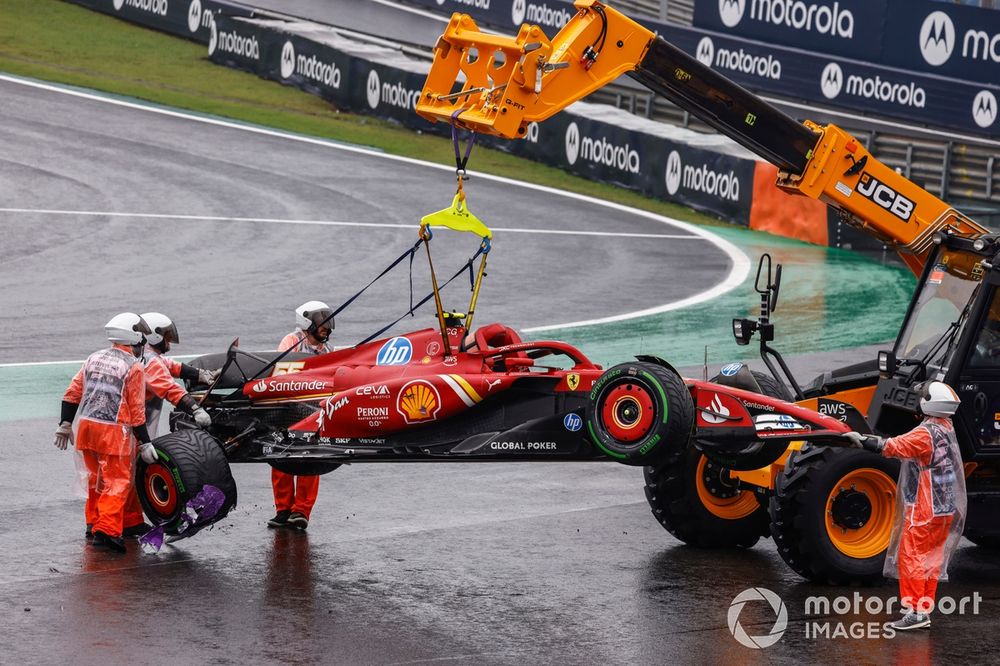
(860, 512)
(161, 491)
(628, 412)
(720, 494)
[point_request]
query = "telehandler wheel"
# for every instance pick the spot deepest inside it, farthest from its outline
(187, 461)
(832, 513)
(640, 414)
(697, 502)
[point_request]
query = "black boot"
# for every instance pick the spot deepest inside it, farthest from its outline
(102, 540)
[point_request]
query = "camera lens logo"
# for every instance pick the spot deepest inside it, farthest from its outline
(831, 82)
(984, 108)
(673, 176)
(572, 143)
(517, 11)
(705, 53)
(373, 89)
(194, 15)
(731, 12)
(937, 38)
(780, 622)
(287, 60)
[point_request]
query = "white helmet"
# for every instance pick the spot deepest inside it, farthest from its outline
(309, 316)
(163, 328)
(127, 328)
(938, 399)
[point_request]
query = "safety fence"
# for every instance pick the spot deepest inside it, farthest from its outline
(601, 143)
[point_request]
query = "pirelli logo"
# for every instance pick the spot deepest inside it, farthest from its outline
(878, 192)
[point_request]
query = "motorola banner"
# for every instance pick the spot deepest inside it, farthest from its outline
(851, 28)
(551, 15)
(191, 19)
(849, 84)
(956, 41)
(924, 36)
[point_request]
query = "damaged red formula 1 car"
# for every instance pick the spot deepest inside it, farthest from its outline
(445, 395)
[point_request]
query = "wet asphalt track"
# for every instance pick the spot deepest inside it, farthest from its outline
(507, 564)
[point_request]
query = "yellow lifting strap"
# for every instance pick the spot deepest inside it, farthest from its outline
(457, 217)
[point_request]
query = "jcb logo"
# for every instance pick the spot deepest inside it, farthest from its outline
(871, 188)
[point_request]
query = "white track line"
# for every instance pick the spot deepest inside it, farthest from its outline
(740, 262)
(331, 223)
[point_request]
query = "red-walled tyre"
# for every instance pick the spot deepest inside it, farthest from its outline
(640, 414)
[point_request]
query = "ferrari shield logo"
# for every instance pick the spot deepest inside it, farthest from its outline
(572, 380)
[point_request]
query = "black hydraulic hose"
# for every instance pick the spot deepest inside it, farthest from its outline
(726, 106)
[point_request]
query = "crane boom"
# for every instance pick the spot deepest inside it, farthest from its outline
(510, 82)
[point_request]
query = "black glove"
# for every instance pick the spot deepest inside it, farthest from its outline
(871, 443)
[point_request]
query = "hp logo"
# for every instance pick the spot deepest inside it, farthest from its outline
(573, 422)
(397, 351)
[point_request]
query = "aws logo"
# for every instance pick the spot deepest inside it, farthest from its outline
(984, 108)
(937, 38)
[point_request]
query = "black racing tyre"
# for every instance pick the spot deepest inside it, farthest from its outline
(832, 513)
(770, 386)
(696, 501)
(188, 460)
(640, 414)
(303, 467)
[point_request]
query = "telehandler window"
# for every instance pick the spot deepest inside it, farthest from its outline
(986, 353)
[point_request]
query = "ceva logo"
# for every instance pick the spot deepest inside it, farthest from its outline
(287, 59)
(572, 143)
(731, 12)
(937, 38)
(194, 15)
(705, 53)
(984, 108)
(831, 81)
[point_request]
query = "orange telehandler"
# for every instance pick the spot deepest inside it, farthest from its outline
(828, 508)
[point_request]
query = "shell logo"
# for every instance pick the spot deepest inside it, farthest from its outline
(418, 401)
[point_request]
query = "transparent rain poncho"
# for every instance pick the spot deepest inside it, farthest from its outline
(931, 503)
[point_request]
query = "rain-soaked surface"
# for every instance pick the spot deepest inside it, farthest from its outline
(425, 563)
(402, 564)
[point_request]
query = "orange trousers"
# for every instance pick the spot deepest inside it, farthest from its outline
(921, 550)
(108, 490)
(294, 493)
